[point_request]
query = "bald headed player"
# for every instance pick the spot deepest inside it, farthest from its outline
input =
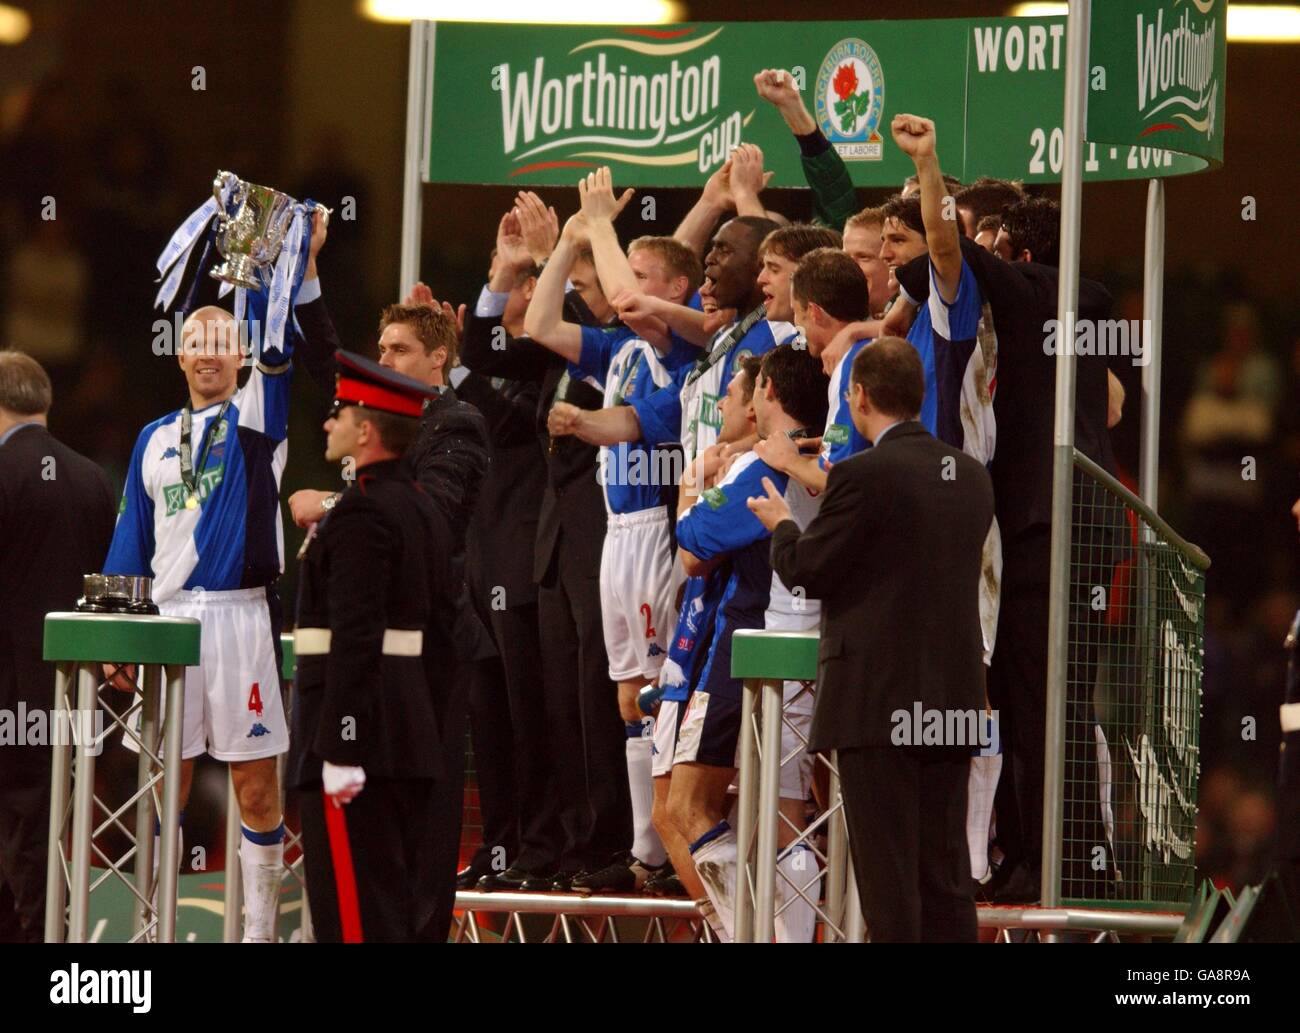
(200, 515)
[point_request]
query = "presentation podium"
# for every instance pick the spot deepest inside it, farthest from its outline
(765, 661)
(161, 647)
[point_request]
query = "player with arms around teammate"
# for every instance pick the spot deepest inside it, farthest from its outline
(200, 515)
(717, 532)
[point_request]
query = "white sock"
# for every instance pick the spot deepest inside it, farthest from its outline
(981, 788)
(647, 847)
(715, 864)
(261, 863)
(798, 922)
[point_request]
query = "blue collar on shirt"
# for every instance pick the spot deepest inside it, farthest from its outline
(15, 428)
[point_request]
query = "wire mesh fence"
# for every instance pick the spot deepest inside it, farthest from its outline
(1133, 701)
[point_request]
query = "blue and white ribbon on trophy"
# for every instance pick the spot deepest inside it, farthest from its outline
(176, 255)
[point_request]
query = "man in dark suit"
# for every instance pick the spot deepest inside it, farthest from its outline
(584, 735)
(376, 664)
(895, 556)
(507, 705)
(56, 520)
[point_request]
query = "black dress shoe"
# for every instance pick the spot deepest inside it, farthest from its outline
(514, 880)
(563, 881)
(1022, 886)
(468, 877)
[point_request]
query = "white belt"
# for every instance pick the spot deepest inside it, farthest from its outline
(397, 642)
(1291, 717)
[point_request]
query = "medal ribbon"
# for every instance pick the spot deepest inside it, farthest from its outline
(724, 345)
(205, 446)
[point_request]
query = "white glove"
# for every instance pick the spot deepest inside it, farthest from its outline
(342, 782)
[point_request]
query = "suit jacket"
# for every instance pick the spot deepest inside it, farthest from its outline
(572, 498)
(56, 521)
(381, 560)
(451, 453)
(501, 544)
(1022, 298)
(894, 555)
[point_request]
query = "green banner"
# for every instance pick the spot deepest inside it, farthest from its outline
(522, 105)
(1162, 63)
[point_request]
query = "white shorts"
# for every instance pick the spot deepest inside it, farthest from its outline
(665, 745)
(233, 709)
(639, 577)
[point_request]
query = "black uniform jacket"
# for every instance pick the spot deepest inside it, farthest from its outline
(381, 562)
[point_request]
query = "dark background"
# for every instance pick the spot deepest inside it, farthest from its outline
(97, 110)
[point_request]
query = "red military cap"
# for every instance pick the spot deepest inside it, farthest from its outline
(363, 381)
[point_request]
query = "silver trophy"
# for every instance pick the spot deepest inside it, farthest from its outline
(250, 239)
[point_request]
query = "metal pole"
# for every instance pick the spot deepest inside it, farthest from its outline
(1067, 297)
(83, 808)
(769, 801)
(144, 808)
(746, 812)
(855, 923)
(836, 850)
(419, 80)
(230, 924)
(1153, 310)
(56, 887)
(169, 846)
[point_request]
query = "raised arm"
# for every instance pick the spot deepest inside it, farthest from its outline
(599, 209)
(915, 137)
(834, 196)
(545, 322)
(715, 201)
(748, 179)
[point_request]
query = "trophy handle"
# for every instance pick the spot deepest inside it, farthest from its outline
(218, 185)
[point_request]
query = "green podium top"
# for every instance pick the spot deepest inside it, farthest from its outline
(121, 637)
(286, 656)
(787, 655)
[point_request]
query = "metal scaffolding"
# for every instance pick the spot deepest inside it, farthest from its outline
(163, 647)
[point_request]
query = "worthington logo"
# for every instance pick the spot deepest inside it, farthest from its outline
(607, 103)
(120, 986)
(1175, 67)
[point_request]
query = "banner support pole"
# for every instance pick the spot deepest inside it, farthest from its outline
(1153, 312)
(1067, 298)
(419, 103)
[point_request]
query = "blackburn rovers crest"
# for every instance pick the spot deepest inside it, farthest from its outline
(850, 100)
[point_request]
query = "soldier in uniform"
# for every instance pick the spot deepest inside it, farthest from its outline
(375, 660)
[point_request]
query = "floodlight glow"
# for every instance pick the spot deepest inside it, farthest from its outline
(551, 12)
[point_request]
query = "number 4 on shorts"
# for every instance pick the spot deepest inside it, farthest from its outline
(255, 700)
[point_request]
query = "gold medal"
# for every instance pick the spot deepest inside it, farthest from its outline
(192, 502)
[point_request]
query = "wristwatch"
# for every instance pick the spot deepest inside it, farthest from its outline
(331, 501)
